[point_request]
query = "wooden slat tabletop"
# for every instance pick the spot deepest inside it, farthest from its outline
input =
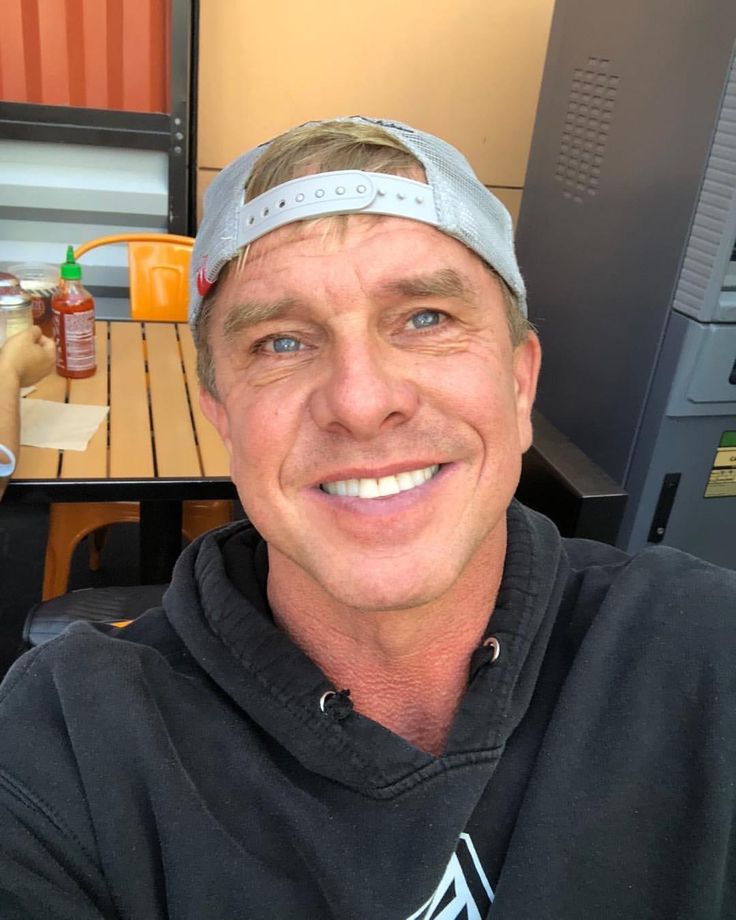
(39, 462)
(90, 391)
(176, 449)
(213, 455)
(146, 372)
(131, 451)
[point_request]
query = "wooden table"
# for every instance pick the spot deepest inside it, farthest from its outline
(155, 447)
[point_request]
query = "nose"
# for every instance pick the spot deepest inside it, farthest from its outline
(366, 391)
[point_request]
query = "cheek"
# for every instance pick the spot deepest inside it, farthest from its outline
(478, 388)
(482, 398)
(263, 429)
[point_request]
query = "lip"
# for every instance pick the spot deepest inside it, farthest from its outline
(362, 472)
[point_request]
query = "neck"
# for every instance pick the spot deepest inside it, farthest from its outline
(407, 668)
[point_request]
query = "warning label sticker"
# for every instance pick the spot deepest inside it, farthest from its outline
(722, 478)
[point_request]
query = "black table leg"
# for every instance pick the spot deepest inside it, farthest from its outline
(160, 540)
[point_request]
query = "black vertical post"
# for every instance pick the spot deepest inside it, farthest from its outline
(182, 147)
(160, 540)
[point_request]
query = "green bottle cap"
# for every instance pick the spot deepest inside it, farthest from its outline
(70, 270)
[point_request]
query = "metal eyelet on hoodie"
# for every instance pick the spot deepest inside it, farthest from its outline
(492, 643)
(336, 703)
(328, 694)
(487, 655)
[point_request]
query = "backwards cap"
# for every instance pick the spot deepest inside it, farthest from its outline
(453, 200)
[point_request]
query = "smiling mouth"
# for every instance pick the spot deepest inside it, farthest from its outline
(380, 488)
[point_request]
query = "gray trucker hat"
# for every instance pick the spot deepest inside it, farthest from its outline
(454, 200)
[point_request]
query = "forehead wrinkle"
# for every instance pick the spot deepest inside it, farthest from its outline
(249, 313)
(446, 283)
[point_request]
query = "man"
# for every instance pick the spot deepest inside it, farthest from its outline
(401, 695)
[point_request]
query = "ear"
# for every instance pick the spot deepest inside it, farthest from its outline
(215, 412)
(527, 361)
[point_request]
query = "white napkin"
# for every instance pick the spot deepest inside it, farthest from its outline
(63, 426)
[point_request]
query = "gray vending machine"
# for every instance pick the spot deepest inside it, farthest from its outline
(626, 238)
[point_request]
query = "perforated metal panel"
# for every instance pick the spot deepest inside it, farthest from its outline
(590, 109)
(700, 287)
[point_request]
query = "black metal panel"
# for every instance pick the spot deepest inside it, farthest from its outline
(30, 491)
(629, 101)
(60, 124)
(560, 481)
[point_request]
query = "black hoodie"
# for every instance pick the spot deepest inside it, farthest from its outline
(183, 767)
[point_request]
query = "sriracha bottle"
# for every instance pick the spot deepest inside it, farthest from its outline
(73, 314)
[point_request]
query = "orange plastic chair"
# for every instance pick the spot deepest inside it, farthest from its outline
(158, 273)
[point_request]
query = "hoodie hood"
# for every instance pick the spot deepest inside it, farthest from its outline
(217, 600)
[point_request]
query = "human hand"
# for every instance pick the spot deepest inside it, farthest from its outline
(27, 356)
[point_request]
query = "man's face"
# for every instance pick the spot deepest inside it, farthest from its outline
(373, 406)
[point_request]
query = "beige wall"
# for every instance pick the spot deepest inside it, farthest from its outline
(469, 71)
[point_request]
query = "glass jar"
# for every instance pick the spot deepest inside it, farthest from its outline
(40, 281)
(16, 307)
(7, 280)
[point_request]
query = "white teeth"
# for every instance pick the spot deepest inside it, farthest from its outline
(378, 488)
(388, 485)
(405, 481)
(368, 488)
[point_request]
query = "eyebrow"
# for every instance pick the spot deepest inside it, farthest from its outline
(251, 312)
(445, 282)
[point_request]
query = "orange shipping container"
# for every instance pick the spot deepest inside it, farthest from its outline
(103, 54)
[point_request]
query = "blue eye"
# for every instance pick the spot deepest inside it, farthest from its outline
(285, 344)
(425, 319)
